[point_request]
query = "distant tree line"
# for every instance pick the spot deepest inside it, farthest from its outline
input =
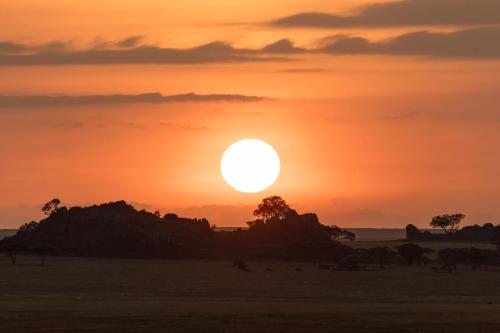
(450, 224)
(278, 232)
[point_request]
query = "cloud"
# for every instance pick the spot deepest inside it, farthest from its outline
(283, 46)
(33, 101)
(185, 127)
(132, 41)
(126, 51)
(402, 13)
(303, 70)
(126, 43)
(11, 47)
(470, 43)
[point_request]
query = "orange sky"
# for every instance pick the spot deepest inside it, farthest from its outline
(381, 138)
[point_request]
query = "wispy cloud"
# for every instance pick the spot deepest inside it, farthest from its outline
(303, 70)
(402, 13)
(185, 127)
(469, 43)
(33, 101)
(127, 51)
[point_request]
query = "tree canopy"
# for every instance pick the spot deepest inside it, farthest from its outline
(273, 208)
(51, 206)
(449, 223)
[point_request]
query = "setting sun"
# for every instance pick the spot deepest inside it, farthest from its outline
(250, 165)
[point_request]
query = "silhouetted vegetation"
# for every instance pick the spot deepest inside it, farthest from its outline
(411, 254)
(118, 230)
(51, 206)
(280, 233)
(473, 257)
(381, 256)
(449, 223)
(112, 230)
(488, 233)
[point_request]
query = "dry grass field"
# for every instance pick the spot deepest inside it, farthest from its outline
(116, 295)
(436, 246)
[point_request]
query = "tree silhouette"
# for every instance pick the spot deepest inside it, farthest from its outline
(51, 206)
(27, 227)
(272, 208)
(381, 255)
(340, 234)
(449, 223)
(117, 229)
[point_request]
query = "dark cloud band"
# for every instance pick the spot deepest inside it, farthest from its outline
(403, 13)
(110, 53)
(33, 101)
(474, 43)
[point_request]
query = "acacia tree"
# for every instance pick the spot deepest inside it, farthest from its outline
(272, 208)
(51, 206)
(449, 223)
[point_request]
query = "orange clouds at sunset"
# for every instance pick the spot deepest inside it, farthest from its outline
(375, 122)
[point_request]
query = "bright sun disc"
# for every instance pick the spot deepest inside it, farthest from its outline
(250, 165)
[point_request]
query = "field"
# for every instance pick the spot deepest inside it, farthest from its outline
(436, 246)
(115, 295)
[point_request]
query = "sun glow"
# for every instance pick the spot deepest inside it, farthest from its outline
(250, 165)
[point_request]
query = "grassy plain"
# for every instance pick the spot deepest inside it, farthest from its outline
(436, 246)
(117, 295)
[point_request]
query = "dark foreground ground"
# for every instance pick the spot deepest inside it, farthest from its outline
(101, 295)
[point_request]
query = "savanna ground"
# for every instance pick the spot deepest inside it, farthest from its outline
(118, 295)
(436, 246)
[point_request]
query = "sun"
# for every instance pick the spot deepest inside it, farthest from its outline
(250, 165)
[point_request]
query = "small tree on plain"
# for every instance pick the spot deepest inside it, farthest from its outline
(449, 223)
